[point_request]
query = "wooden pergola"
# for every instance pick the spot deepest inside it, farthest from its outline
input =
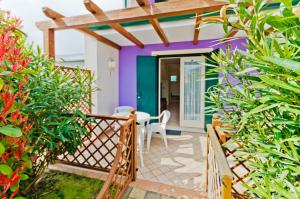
(114, 18)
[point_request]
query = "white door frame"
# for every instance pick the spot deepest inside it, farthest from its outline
(173, 53)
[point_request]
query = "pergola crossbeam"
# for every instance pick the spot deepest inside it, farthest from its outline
(156, 10)
(155, 24)
(95, 10)
(57, 17)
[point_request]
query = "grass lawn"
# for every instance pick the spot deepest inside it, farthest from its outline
(59, 185)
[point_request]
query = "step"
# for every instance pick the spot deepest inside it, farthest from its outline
(145, 189)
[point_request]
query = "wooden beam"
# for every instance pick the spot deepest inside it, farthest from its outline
(94, 9)
(155, 24)
(120, 29)
(99, 38)
(49, 43)
(59, 17)
(197, 29)
(143, 2)
(160, 31)
(52, 14)
(157, 10)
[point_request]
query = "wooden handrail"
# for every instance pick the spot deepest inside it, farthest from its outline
(221, 162)
(103, 194)
(115, 165)
(220, 157)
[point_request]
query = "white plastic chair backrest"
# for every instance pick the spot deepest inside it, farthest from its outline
(123, 109)
(165, 118)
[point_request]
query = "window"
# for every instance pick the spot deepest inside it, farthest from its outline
(173, 78)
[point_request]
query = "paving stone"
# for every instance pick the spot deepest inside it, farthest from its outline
(137, 194)
(151, 195)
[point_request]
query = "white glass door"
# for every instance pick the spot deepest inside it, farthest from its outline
(192, 92)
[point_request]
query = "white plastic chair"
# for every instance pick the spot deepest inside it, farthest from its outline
(159, 127)
(123, 109)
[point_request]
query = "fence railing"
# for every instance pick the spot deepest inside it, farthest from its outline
(110, 147)
(219, 175)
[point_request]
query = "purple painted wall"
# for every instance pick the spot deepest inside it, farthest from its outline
(128, 57)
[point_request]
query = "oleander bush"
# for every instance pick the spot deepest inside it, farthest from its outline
(53, 108)
(260, 93)
(14, 124)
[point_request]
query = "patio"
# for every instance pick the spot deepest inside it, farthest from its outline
(182, 164)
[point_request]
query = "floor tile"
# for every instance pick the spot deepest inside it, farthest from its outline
(182, 164)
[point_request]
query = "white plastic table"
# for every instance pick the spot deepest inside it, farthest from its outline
(142, 119)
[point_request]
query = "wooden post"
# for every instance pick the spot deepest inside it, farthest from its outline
(227, 187)
(216, 120)
(49, 43)
(134, 145)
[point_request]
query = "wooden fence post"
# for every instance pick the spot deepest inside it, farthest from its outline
(226, 187)
(134, 145)
(216, 120)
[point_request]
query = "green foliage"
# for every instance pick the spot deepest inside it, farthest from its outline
(54, 109)
(260, 96)
(14, 127)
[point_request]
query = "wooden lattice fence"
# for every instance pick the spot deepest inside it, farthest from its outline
(237, 161)
(109, 146)
(219, 175)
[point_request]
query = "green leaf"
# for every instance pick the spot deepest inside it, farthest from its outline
(285, 63)
(11, 131)
(2, 149)
(24, 177)
(279, 83)
(5, 169)
(1, 84)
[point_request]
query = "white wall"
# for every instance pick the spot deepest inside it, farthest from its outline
(67, 41)
(97, 56)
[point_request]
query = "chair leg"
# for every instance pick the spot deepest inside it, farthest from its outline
(149, 135)
(141, 157)
(164, 136)
(141, 145)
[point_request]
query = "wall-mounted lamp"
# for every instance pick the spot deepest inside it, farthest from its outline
(112, 64)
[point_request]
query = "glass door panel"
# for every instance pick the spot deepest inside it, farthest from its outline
(192, 92)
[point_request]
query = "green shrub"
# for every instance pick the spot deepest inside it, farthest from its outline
(14, 126)
(260, 95)
(57, 128)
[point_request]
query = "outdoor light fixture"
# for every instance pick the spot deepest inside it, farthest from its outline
(112, 64)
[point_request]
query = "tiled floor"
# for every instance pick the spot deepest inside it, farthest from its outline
(182, 164)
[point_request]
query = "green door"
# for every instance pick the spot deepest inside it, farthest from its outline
(147, 84)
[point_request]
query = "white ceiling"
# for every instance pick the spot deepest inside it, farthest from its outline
(175, 31)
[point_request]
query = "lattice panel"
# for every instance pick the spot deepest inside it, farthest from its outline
(86, 102)
(123, 168)
(98, 149)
